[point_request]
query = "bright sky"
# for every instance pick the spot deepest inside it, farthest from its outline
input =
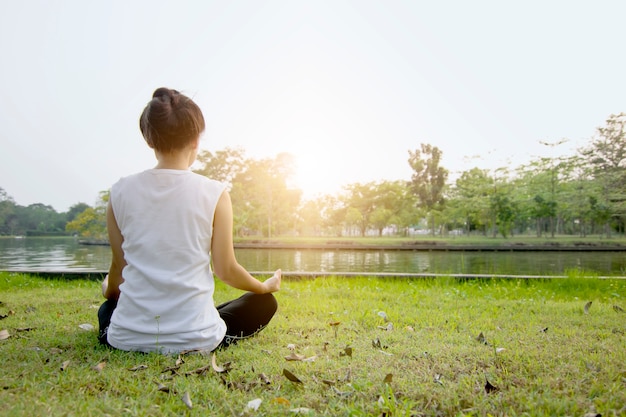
(348, 87)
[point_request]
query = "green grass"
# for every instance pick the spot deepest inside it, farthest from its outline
(542, 351)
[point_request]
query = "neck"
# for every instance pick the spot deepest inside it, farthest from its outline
(181, 160)
(177, 159)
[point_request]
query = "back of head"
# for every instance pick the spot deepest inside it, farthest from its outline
(170, 121)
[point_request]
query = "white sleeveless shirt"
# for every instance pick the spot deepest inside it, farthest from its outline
(166, 302)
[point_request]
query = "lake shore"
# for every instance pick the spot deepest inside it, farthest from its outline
(443, 244)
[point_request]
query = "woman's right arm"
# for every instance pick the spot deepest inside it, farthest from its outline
(113, 280)
(225, 264)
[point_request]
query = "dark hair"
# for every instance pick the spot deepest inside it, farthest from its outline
(170, 121)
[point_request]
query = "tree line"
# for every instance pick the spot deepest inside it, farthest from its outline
(579, 194)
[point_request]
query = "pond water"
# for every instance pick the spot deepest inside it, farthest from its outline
(66, 254)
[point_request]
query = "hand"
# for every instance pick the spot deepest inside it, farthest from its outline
(105, 284)
(273, 284)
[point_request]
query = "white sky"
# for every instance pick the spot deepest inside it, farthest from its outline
(349, 87)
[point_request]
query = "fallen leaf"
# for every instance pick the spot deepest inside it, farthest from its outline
(265, 379)
(179, 360)
(291, 376)
(99, 367)
(138, 368)
(187, 400)
(388, 379)
(171, 369)
(388, 327)
(163, 388)
(481, 338)
(376, 343)
(334, 323)
(300, 410)
(4, 334)
(410, 328)
(254, 404)
(587, 307)
(489, 388)
(293, 356)
(347, 351)
(216, 368)
(281, 400)
(56, 351)
(291, 346)
(64, 365)
(383, 315)
(328, 382)
(86, 326)
(618, 309)
(437, 379)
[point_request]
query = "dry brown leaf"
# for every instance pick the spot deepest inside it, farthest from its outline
(187, 400)
(490, 388)
(99, 367)
(171, 369)
(293, 356)
(217, 368)
(376, 343)
(265, 379)
(291, 376)
(138, 368)
(388, 379)
(587, 307)
(334, 323)
(64, 365)
(347, 351)
(162, 388)
(618, 309)
(198, 371)
(4, 334)
(281, 400)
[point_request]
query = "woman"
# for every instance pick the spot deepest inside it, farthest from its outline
(165, 226)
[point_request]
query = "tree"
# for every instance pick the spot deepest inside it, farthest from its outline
(75, 210)
(471, 191)
(428, 181)
(223, 165)
(262, 199)
(7, 213)
(91, 222)
(607, 157)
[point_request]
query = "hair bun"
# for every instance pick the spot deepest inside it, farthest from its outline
(163, 93)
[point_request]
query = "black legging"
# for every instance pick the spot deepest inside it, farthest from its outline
(244, 316)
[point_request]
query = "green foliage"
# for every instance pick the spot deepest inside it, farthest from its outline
(91, 222)
(582, 194)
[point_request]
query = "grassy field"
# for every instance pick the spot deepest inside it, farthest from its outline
(337, 346)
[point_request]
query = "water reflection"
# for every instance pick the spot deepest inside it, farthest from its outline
(62, 254)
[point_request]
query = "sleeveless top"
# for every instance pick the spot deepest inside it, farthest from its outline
(166, 300)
